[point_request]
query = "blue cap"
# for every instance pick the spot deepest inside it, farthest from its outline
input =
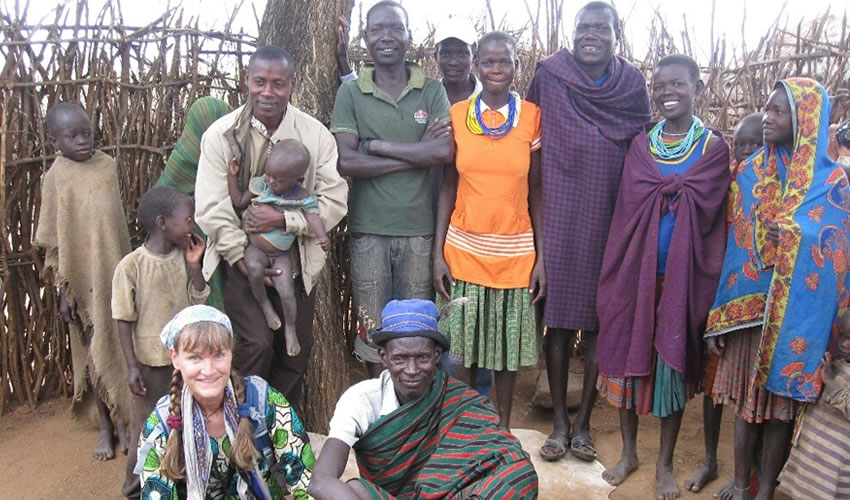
(409, 318)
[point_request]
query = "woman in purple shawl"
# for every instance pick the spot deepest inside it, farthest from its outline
(661, 265)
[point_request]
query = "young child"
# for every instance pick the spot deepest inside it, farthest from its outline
(489, 223)
(839, 145)
(818, 466)
(151, 285)
(280, 187)
(83, 229)
(660, 269)
(747, 139)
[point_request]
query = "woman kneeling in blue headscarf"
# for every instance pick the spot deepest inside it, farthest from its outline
(217, 434)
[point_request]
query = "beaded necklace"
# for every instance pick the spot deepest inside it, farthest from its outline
(475, 122)
(674, 149)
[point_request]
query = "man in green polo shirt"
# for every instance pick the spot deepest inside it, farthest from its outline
(392, 128)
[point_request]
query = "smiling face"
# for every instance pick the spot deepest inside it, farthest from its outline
(777, 125)
(674, 90)
(180, 225)
(748, 138)
(204, 356)
(387, 36)
(454, 58)
(73, 134)
(496, 64)
(411, 362)
(270, 84)
(594, 38)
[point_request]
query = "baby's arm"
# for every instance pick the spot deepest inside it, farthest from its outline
(315, 223)
(311, 215)
(241, 199)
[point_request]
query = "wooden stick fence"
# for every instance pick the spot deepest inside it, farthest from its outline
(136, 84)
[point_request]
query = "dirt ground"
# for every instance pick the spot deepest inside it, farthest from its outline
(47, 455)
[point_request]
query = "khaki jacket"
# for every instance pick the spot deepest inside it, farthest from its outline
(214, 211)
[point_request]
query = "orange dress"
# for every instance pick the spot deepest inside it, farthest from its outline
(490, 240)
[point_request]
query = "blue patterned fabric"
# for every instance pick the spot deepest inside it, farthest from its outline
(809, 282)
(794, 287)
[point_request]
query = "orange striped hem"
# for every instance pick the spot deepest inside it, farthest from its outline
(491, 245)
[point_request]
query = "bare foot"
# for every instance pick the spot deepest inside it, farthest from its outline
(706, 473)
(665, 484)
(272, 319)
(617, 474)
(104, 448)
(123, 441)
(292, 345)
(727, 491)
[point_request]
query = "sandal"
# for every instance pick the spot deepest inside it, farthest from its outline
(582, 448)
(557, 446)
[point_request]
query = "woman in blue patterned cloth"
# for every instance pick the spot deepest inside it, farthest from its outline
(218, 435)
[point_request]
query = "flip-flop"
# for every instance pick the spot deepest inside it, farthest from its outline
(578, 445)
(557, 443)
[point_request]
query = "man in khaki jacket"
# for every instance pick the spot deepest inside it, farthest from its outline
(247, 134)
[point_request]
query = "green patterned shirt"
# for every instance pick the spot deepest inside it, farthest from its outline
(291, 471)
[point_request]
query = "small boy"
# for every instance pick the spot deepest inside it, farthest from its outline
(150, 286)
(83, 229)
(748, 137)
(818, 466)
(281, 188)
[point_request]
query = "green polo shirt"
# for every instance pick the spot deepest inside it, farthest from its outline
(398, 203)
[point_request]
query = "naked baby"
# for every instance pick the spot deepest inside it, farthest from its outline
(281, 188)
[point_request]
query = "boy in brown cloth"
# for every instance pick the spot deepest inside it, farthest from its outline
(82, 215)
(151, 285)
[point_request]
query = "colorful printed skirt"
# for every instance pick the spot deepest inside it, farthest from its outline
(734, 383)
(662, 392)
(497, 329)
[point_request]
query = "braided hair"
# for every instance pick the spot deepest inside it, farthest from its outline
(244, 452)
(173, 464)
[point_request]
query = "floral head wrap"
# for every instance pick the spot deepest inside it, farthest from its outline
(188, 316)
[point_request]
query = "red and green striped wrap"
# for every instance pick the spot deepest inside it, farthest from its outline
(445, 444)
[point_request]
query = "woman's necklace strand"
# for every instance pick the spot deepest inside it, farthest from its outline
(208, 417)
